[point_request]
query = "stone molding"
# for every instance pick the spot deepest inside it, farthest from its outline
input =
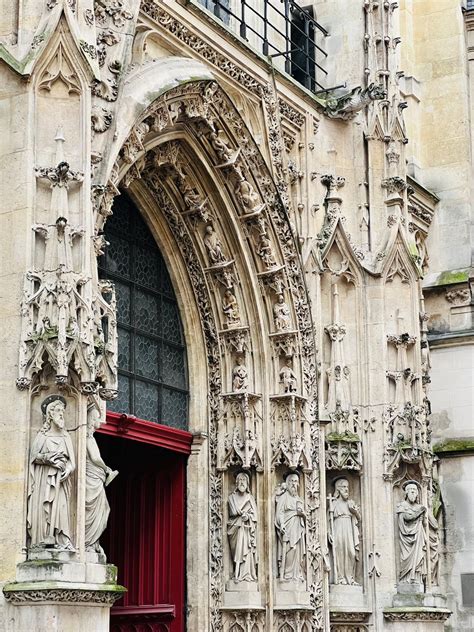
(416, 614)
(76, 596)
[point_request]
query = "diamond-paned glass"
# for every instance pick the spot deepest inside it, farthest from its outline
(123, 296)
(171, 322)
(151, 354)
(122, 403)
(175, 408)
(147, 400)
(147, 357)
(147, 311)
(124, 355)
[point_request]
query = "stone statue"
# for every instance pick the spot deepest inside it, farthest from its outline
(230, 307)
(288, 376)
(281, 314)
(411, 533)
(98, 475)
(248, 195)
(290, 523)
(242, 530)
(343, 535)
(213, 246)
(265, 251)
(51, 463)
(240, 377)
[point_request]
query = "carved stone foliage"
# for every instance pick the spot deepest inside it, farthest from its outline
(62, 595)
(417, 614)
(460, 296)
(200, 46)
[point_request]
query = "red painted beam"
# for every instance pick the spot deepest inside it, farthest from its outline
(128, 426)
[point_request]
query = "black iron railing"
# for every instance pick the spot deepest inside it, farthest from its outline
(281, 29)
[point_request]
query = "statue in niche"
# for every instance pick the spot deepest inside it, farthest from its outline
(281, 314)
(265, 251)
(240, 376)
(411, 533)
(98, 475)
(222, 149)
(51, 463)
(248, 195)
(242, 530)
(288, 376)
(290, 523)
(230, 307)
(213, 246)
(343, 525)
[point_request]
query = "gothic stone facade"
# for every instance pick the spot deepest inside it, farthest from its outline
(295, 228)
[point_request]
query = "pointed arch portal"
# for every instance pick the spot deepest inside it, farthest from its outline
(186, 159)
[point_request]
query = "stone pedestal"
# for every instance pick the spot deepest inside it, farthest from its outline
(416, 611)
(242, 595)
(348, 604)
(61, 595)
(292, 594)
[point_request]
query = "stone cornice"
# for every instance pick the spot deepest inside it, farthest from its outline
(22, 593)
(416, 614)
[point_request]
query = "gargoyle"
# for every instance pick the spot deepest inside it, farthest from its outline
(348, 105)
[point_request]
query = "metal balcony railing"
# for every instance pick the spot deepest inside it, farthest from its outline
(280, 29)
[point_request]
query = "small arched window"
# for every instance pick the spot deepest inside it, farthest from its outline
(152, 357)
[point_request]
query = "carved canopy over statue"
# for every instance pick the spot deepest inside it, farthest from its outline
(242, 530)
(412, 537)
(51, 463)
(290, 523)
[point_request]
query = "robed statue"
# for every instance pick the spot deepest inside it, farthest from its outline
(51, 463)
(412, 537)
(290, 523)
(242, 530)
(98, 475)
(343, 533)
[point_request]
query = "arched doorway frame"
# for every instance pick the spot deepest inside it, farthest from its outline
(183, 115)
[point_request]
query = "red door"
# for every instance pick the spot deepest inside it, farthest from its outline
(145, 536)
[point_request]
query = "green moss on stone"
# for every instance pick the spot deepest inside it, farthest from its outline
(454, 445)
(450, 277)
(349, 437)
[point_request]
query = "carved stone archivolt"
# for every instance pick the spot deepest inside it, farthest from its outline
(236, 433)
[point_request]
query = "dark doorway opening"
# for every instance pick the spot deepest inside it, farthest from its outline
(145, 536)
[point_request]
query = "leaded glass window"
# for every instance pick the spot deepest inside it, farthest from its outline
(151, 351)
